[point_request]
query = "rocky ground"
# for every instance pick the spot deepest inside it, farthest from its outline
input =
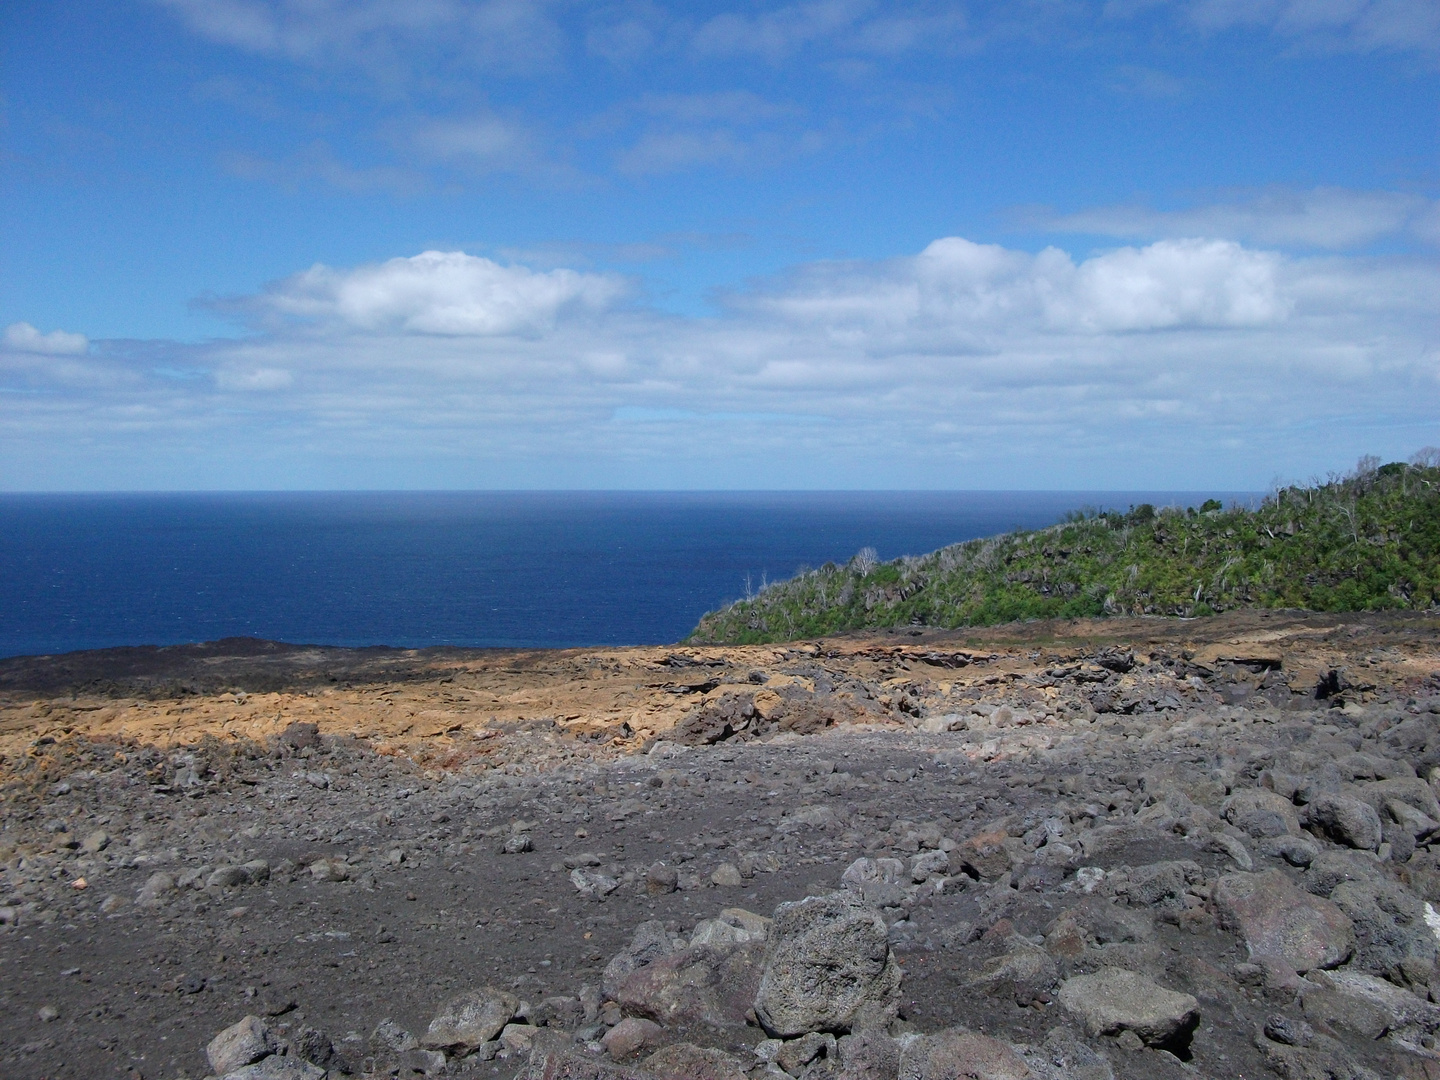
(1124, 849)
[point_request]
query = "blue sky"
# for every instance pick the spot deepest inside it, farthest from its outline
(318, 243)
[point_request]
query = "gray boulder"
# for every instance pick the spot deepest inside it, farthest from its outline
(957, 1054)
(1260, 813)
(697, 985)
(1115, 1000)
(686, 1061)
(1392, 938)
(1346, 821)
(828, 967)
(240, 1044)
(1330, 868)
(1025, 973)
(1163, 884)
(650, 942)
(1367, 1006)
(277, 1068)
(1276, 919)
(470, 1019)
(868, 1055)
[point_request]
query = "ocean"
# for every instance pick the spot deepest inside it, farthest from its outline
(413, 569)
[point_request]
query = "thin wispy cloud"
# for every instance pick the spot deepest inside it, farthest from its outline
(508, 36)
(1353, 25)
(1328, 218)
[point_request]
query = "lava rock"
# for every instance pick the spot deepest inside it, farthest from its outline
(828, 967)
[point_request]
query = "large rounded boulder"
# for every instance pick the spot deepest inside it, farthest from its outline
(828, 967)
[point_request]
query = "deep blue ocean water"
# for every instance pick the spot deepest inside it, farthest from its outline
(452, 568)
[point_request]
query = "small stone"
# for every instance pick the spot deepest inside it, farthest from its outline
(312, 1045)
(661, 878)
(1261, 813)
(1025, 973)
(390, 1038)
(240, 1044)
(95, 842)
(593, 883)
(985, 855)
(158, 886)
(629, 1036)
(794, 1055)
(329, 870)
(48, 1013)
(425, 1062)
(1291, 1032)
(726, 875)
(518, 844)
(516, 1038)
(228, 877)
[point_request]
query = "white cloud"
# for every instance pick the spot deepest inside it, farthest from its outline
(970, 288)
(258, 379)
(1328, 218)
(773, 34)
(484, 143)
(380, 35)
(860, 26)
(318, 162)
(1350, 25)
(440, 292)
(22, 337)
(482, 138)
(962, 365)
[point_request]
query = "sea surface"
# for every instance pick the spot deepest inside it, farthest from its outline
(453, 568)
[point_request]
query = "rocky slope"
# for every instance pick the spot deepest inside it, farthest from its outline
(1198, 849)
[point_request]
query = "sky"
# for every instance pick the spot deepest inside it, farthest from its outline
(845, 244)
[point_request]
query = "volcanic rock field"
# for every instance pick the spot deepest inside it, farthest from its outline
(1139, 848)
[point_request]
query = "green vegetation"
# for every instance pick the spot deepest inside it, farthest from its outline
(1363, 542)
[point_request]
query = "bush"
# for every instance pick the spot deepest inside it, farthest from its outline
(1369, 541)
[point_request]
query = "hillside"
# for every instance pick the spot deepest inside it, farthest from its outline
(1367, 541)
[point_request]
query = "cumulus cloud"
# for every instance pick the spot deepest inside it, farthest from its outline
(439, 292)
(22, 337)
(968, 288)
(1329, 218)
